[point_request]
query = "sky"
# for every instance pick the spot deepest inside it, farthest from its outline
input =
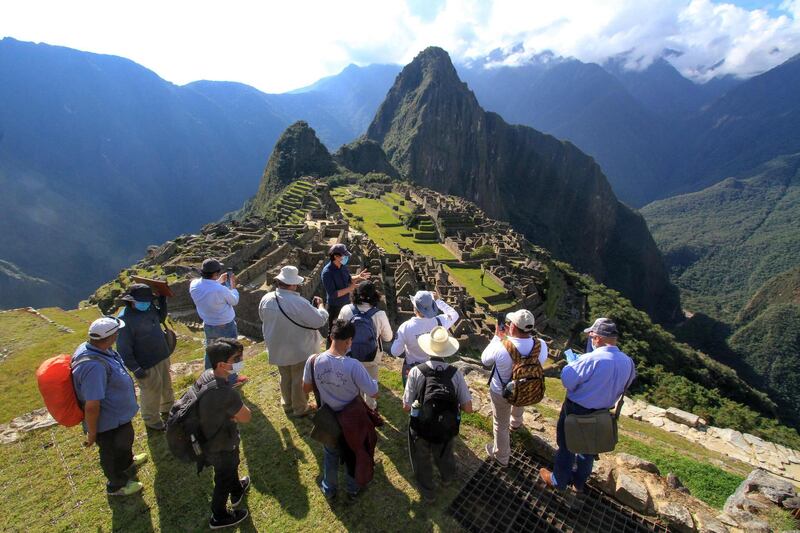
(282, 45)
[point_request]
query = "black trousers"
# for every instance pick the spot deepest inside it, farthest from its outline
(424, 455)
(333, 314)
(116, 455)
(226, 480)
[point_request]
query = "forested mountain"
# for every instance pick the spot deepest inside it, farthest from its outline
(436, 134)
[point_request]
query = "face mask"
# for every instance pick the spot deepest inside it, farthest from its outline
(345, 260)
(142, 306)
(237, 367)
(592, 342)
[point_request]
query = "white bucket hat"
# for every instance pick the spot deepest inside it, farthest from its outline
(438, 343)
(289, 276)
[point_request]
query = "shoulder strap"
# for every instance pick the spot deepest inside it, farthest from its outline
(371, 313)
(86, 357)
(438, 320)
(618, 410)
(512, 350)
(317, 397)
(356, 311)
(278, 301)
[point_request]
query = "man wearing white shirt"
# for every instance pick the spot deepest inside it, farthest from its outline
(290, 325)
(366, 297)
(507, 418)
(214, 296)
(431, 311)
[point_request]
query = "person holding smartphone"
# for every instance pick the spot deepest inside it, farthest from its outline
(338, 282)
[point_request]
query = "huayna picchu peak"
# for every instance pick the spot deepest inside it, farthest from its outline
(436, 134)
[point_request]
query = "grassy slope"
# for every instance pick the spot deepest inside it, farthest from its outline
(30, 340)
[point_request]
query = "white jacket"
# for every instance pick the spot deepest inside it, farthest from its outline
(287, 343)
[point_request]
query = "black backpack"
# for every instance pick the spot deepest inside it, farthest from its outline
(438, 420)
(365, 340)
(184, 433)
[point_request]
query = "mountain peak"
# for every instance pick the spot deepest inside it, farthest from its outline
(297, 153)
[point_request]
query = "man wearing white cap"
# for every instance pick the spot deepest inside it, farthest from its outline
(434, 394)
(430, 311)
(505, 417)
(290, 324)
(105, 389)
(594, 382)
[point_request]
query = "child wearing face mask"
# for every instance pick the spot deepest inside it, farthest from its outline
(220, 410)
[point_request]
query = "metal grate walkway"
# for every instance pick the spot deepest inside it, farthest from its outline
(517, 500)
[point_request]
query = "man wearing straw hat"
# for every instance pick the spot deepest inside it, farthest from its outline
(290, 325)
(434, 394)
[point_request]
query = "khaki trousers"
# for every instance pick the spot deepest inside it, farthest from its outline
(292, 395)
(504, 415)
(155, 393)
(372, 369)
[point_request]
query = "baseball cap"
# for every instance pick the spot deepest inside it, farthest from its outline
(105, 327)
(211, 265)
(423, 302)
(604, 327)
(138, 292)
(523, 319)
(338, 249)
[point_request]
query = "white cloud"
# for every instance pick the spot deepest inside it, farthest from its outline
(277, 46)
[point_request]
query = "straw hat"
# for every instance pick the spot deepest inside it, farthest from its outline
(438, 343)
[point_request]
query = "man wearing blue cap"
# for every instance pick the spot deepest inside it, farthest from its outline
(430, 311)
(338, 282)
(594, 382)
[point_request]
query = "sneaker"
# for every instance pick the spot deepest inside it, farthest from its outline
(132, 487)
(157, 427)
(490, 452)
(517, 428)
(238, 515)
(330, 495)
(308, 410)
(245, 481)
(138, 460)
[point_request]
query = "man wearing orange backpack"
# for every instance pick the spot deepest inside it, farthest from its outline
(517, 379)
(105, 390)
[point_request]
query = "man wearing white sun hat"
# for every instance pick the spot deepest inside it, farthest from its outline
(435, 393)
(290, 325)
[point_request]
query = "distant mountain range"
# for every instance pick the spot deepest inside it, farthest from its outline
(129, 159)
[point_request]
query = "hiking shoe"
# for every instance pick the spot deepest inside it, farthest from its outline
(157, 427)
(514, 429)
(132, 487)
(238, 515)
(138, 460)
(490, 452)
(547, 477)
(245, 481)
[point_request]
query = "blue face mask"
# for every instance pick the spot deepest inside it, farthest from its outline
(142, 306)
(345, 260)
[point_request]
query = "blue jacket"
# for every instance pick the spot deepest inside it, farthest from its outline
(141, 343)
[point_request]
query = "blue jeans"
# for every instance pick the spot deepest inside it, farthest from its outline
(570, 469)
(330, 474)
(228, 331)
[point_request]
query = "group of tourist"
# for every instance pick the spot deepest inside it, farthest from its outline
(343, 378)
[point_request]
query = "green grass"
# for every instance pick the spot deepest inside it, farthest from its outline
(35, 340)
(470, 278)
(375, 212)
(706, 482)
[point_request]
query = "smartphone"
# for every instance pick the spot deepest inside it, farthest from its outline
(501, 320)
(229, 273)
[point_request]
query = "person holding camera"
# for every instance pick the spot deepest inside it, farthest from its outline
(515, 333)
(338, 282)
(290, 325)
(214, 295)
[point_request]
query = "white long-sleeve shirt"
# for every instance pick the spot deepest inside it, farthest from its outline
(214, 301)
(288, 344)
(413, 328)
(379, 320)
(495, 354)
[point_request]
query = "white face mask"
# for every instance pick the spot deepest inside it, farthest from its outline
(594, 343)
(237, 367)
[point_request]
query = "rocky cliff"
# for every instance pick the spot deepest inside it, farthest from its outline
(364, 156)
(436, 134)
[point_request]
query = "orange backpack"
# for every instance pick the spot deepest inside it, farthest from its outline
(54, 377)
